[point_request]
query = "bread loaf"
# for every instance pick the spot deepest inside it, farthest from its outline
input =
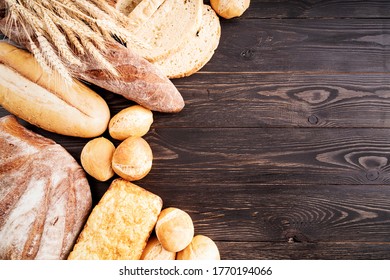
(137, 80)
(119, 225)
(195, 50)
(44, 195)
(166, 28)
(46, 100)
(140, 81)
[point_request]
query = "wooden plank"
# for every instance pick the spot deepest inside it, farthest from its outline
(278, 156)
(319, 45)
(275, 100)
(274, 213)
(281, 100)
(262, 155)
(303, 251)
(317, 9)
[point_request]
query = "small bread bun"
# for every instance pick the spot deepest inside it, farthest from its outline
(200, 248)
(230, 8)
(96, 158)
(174, 229)
(132, 121)
(154, 251)
(132, 159)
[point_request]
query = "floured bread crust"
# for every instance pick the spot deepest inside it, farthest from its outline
(44, 195)
(119, 225)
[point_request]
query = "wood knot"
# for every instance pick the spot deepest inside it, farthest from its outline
(372, 175)
(294, 235)
(313, 119)
(247, 54)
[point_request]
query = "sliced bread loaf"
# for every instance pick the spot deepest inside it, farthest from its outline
(196, 50)
(142, 13)
(124, 6)
(166, 28)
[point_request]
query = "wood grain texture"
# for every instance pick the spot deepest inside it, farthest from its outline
(287, 9)
(282, 150)
(282, 100)
(316, 45)
(271, 155)
(304, 251)
(276, 213)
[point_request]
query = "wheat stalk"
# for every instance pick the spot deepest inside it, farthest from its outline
(57, 32)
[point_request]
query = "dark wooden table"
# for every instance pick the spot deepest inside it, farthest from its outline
(283, 148)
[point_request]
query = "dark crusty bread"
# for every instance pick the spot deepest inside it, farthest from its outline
(139, 80)
(119, 225)
(44, 195)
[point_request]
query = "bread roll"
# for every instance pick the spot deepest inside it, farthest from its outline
(96, 158)
(46, 100)
(119, 225)
(174, 229)
(155, 251)
(230, 8)
(200, 248)
(132, 121)
(45, 197)
(132, 159)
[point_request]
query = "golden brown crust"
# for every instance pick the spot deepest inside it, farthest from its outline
(45, 100)
(119, 225)
(44, 195)
(155, 251)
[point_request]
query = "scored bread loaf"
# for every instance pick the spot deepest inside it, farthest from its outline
(196, 50)
(45, 100)
(119, 225)
(45, 197)
(139, 81)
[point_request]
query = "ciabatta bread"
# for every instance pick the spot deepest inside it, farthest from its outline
(196, 50)
(119, 225)
(45, 197)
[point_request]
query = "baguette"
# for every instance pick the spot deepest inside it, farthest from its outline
(45, 100)
(138, 80)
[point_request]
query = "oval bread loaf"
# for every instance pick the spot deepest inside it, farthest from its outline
(46, 101)
(45, 197)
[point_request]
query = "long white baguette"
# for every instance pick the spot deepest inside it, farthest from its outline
(46, 100)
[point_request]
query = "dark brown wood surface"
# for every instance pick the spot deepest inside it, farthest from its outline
(283, 148)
